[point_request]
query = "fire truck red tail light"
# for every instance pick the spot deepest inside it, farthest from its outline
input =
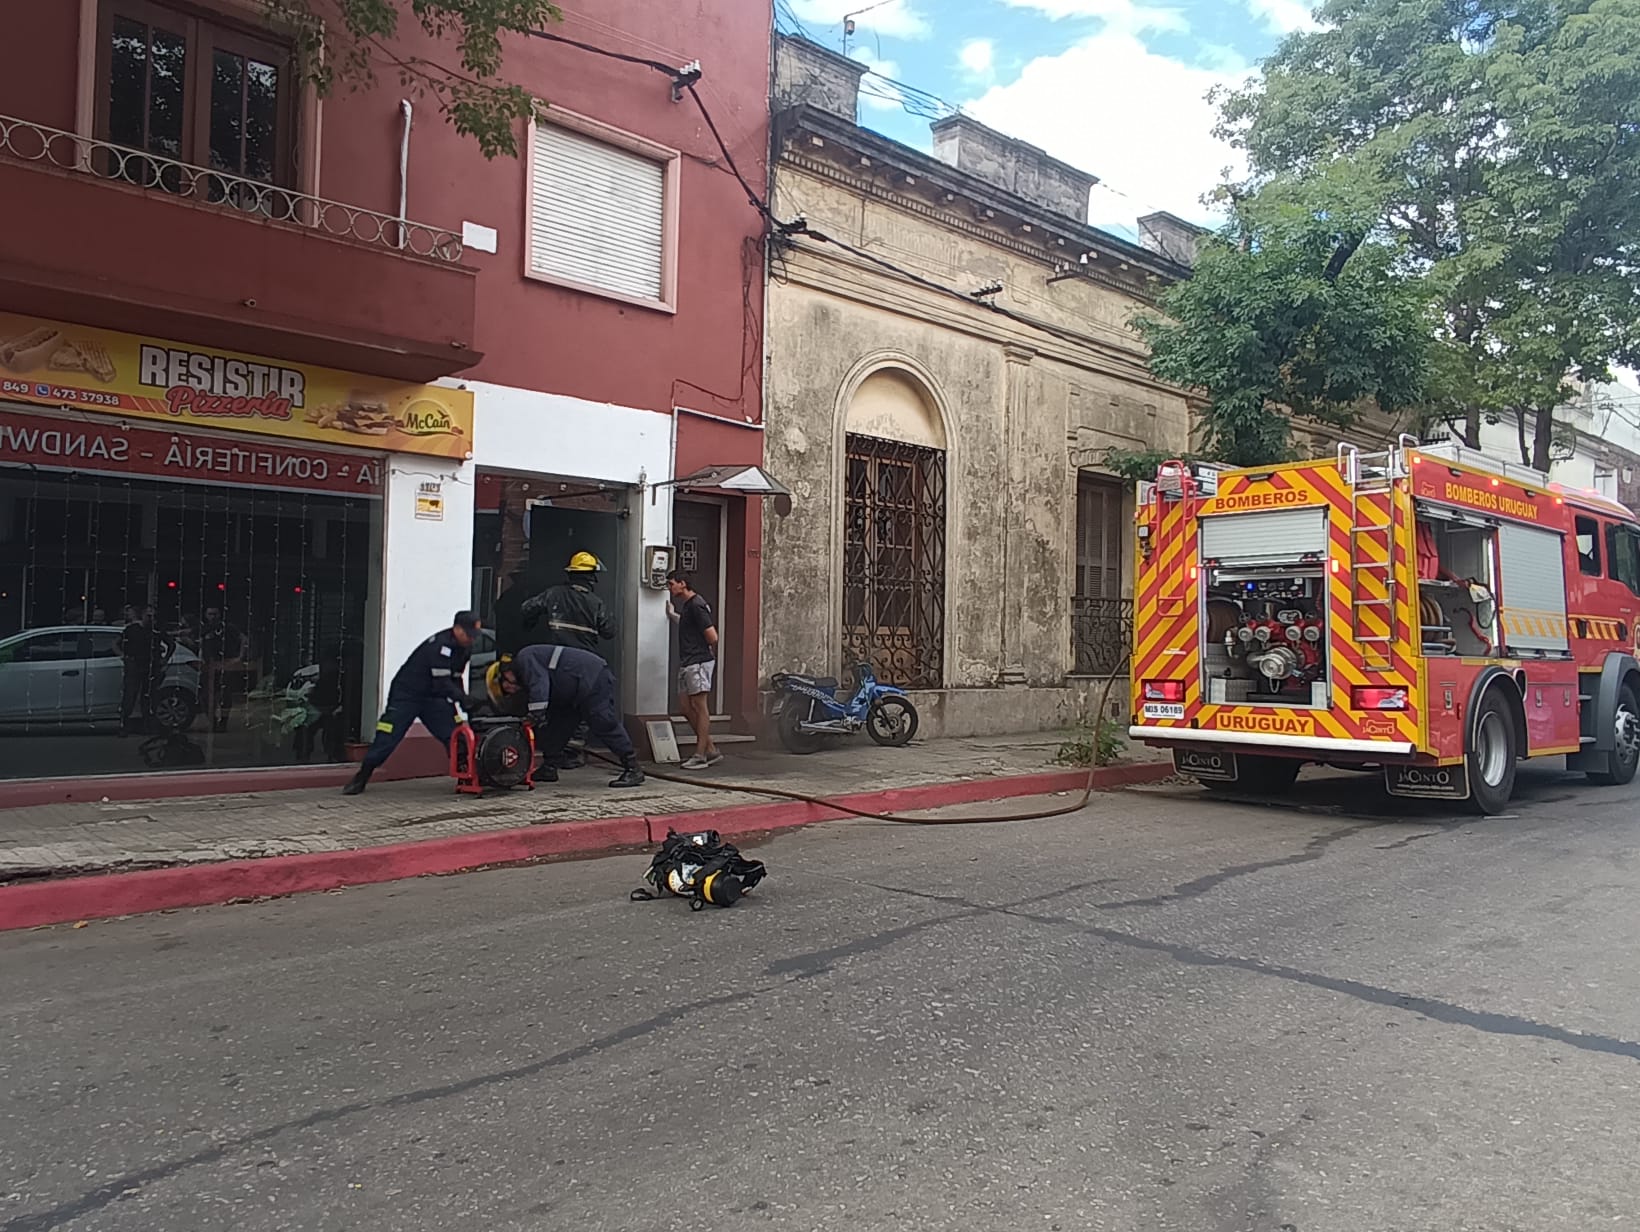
(1164, 690)
(1378, 697)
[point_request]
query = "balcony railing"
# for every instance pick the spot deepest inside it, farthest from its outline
(27, 142)
(1101, 635)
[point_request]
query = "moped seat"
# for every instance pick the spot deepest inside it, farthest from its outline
(813, 682)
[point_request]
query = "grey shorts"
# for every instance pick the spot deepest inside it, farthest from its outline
(696, 678)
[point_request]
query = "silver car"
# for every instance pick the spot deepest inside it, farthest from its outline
(73, 674)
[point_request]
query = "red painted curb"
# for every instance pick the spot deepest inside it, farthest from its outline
(32, 904)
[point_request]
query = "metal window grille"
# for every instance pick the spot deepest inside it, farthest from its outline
(894, 561)
(1101, 635)
(1101, 620)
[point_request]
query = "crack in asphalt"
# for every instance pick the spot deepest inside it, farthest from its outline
(122, 1186)
(1312, 850)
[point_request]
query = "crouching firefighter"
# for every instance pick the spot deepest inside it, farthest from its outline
(428, 687)
(561, 687)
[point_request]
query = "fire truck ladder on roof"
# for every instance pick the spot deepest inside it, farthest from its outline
(1372, 532)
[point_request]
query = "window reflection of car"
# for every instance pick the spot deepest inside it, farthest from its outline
(74, 674)
(305, 678)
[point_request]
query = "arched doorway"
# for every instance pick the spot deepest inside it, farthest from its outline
(894, 530)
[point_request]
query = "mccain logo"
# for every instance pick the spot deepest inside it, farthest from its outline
(425, 417)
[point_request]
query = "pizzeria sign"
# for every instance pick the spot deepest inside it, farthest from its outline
(50, 363)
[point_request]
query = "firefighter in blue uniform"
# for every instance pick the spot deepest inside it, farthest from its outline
(560, 687)
(428, 687)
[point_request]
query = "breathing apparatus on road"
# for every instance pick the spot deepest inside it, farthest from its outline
(702, 868)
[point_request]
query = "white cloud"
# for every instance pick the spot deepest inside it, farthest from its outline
(876, 91)
(978, 56)
(1284, 16)
(1137, 120)
(1124, 16)
(896, 19)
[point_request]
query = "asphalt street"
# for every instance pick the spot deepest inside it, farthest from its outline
(1168, 1011)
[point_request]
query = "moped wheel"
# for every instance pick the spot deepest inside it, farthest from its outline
(788, 722)
(892, 721)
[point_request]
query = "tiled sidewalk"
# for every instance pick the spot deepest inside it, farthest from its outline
(55, 840)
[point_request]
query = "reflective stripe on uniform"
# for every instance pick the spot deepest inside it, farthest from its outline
(384, 726)
(564, 624)
(557, 653)
(441, 671)
(538, 707)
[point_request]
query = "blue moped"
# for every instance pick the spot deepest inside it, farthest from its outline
(807, 710)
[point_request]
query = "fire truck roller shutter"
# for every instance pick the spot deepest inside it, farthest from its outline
(1532, 578)
(1265, 538)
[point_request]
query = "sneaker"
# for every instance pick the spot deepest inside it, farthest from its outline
(697, 762)
(714, 757)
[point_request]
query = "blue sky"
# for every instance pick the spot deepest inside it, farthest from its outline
(1114, 87)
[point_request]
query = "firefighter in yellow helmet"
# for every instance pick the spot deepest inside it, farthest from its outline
(557, 689)
(576, 617)
(573, 612)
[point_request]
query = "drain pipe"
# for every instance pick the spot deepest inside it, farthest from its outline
(404, 172)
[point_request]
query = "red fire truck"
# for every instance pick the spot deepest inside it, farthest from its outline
(1423, 610)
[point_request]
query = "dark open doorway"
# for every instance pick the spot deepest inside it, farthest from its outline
(697, 531)
(525, 531)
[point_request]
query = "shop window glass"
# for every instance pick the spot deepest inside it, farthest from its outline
(221, 626)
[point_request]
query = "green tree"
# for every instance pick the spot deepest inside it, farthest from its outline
(353, 41)
(1503, 141)
(1297, 310)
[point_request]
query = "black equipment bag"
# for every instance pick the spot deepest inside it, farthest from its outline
(702, 868)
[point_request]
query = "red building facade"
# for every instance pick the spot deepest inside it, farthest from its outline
(505, 357)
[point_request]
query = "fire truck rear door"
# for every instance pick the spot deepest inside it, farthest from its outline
(1532, 573)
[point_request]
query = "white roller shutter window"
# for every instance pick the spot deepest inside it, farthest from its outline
(1532, 571)
(597, 214)
(1275, 536)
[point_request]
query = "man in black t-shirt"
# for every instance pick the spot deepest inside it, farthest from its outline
(697, 655)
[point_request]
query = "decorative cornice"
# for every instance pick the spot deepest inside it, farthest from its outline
(872, 289)
(977, 228)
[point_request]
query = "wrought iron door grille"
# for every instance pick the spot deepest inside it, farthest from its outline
(894, 560)
(1101, 635)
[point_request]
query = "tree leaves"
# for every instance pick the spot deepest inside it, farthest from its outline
(1298, 309)
(1502, 141)
(354, 41)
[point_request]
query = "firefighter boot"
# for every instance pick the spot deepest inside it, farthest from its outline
(356, 784)
(631, 774)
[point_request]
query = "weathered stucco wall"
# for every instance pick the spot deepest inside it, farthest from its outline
(1021, 410)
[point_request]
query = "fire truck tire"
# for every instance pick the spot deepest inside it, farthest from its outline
(1493, 755)
(1260, 776)
(1624, 758)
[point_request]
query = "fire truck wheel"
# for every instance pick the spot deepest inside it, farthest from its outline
(1492, 756)
(1624, 758)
